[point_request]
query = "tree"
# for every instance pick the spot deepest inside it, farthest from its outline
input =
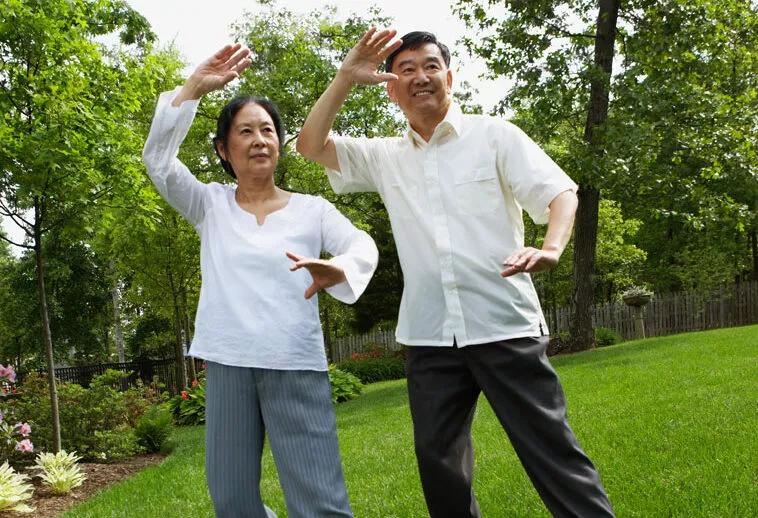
(685, 108)
(64, 98)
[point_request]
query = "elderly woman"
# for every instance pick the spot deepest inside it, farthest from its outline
(257, 321)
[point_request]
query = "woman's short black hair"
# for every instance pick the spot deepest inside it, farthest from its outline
(414, 40)
(226, 117)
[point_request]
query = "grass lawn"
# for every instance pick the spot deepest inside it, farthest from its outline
(670, 423)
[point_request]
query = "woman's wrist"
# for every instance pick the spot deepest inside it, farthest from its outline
(188, 92)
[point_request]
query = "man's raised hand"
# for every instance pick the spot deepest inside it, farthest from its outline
(362, 62)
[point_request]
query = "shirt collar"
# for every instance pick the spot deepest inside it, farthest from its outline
(453, 121)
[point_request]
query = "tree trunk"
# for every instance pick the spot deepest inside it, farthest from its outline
(585, 237)
(181, 373)
(118, 335)
(328, 334)
(187, 333)
(46, 326)
(585, 241)
(754, 249)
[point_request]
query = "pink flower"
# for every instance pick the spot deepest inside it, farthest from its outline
(24, 428)
(195, 383)
(25, 446)
(185, 395)
(8, 372)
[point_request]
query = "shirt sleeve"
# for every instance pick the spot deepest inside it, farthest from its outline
(532, 175)
(171, 177)
(352, 249)
(357, 162)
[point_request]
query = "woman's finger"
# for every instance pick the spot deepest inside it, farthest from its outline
(312, 290)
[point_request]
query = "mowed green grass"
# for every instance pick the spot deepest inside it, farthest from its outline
(670, 423)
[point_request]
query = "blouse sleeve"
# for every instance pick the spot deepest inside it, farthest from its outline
(171, 177)
(352, 249)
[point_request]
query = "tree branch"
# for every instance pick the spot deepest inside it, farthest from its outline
(16, 244)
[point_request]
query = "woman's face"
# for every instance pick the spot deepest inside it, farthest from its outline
(252, 145)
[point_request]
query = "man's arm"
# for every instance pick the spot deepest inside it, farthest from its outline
(559, 226)
(360, 67)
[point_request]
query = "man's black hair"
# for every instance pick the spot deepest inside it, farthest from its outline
(228, 112)
(414, 40)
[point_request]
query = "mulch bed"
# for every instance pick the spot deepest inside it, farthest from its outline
(99, 477)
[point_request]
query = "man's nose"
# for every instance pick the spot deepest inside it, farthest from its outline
(420, 78)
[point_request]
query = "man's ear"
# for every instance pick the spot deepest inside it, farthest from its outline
(449, 79)
(390, 85)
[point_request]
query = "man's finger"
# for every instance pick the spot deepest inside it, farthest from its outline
(383, 78)
(381, 38)
(390, 49)
(367, 37)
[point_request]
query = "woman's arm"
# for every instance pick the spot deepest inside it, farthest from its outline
(173, 117)
(355, 256)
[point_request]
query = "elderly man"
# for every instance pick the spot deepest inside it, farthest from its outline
(454, 186)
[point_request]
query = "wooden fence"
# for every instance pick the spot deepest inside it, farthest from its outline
(145, 370)
(665, 314)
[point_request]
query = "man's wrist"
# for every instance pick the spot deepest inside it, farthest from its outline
(343, 79)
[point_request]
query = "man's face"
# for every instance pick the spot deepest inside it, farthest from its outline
(424, 82)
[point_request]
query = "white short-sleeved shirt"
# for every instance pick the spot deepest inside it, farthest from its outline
(252, 311)
(455, 205)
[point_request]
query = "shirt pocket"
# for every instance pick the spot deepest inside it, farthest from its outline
(476, 189)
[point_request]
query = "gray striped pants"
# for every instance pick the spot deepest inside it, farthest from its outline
(294, 408)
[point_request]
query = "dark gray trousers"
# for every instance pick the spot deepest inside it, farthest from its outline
(444, 384)
(294, 408)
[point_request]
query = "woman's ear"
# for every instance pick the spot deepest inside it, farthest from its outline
(219, 145)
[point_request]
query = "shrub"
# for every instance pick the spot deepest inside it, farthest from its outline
(14, 441)
(154, 429)
(344, 385)
(60, 471)
(605, 336)
(14, 490)
(96, 422)
(371, 370)
(188, 408)
(115, 444)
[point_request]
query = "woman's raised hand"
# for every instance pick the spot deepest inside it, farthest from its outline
(362, 62)
(215, 72)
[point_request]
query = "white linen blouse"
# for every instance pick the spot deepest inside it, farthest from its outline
(252, 310)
